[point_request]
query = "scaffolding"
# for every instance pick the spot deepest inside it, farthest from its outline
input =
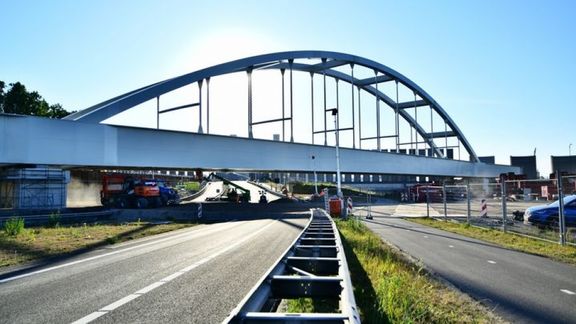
(33, 188)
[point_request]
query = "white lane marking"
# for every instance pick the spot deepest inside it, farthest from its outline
(198, 234)
(491, 262)
(566, 291)
(451, 246)
(425, 236)
(104, 310)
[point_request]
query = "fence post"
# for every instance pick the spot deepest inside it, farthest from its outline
(444, 200)
(468, 210)
(504, 196)
(427, 201)
(561, 219)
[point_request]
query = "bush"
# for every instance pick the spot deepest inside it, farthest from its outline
(14, 226)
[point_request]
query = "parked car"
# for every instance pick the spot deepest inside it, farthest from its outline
(547, 215)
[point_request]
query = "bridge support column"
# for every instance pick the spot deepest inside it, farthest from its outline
(377, 112)
(283, 108)
(359, 120)
(200, 107)
(208, 106)
(325, 108)
(250, 135)
(397, 121)
(290, 62)
(353, 121)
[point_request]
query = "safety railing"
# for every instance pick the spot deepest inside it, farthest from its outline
(314, 266)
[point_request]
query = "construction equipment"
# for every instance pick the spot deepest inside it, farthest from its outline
(230, 191)
(125, 191)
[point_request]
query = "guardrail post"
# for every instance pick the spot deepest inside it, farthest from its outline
(561, 218)
(504, 196)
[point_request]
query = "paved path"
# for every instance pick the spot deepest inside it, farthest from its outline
(196, 275)
(520, 287)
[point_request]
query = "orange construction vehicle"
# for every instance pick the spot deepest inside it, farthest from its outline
(124, 191)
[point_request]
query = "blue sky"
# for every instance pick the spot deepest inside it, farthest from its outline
(503, 70)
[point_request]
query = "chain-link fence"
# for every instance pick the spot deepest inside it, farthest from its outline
(526, 207)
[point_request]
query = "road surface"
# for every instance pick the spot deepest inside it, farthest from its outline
(196, 275)
(519, 287)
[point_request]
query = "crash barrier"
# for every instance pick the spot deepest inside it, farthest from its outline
(313, 267)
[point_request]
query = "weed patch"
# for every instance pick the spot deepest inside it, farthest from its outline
(14, 226)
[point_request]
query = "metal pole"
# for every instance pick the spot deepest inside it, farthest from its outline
(200, 107)
(208, 106)
(312, 103)
(250, 103)
(428, 201)
(315, 177)
(158, 112)
(290, 62)
(561, 217)
(283, 104)
(468, 201)
(504, 195)
(377, 112)
(444, 200)
(339, 179)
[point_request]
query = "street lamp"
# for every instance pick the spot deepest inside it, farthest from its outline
(338, 177)
(315, 178)
(570, 149)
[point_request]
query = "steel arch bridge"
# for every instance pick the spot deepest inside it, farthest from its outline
(322, 63)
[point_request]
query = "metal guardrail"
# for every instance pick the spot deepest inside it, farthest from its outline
(314, 266)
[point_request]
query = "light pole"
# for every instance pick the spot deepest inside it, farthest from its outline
(338, 177)
(570, 149)
(315, 178)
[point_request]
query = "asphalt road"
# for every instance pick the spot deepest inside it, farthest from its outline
(519, 287)
(196, 275)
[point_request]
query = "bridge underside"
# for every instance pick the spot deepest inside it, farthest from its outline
(33, 140)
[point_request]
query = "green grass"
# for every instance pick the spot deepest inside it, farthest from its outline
(39, 243)
(192, 186)
(390, 289)
(509, 240)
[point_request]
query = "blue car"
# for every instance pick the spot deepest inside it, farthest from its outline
(547, 215)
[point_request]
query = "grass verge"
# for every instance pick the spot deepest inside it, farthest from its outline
(566, 254)
(390, 289)
(39, 243)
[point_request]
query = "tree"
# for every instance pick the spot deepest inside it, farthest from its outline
(17, 100)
